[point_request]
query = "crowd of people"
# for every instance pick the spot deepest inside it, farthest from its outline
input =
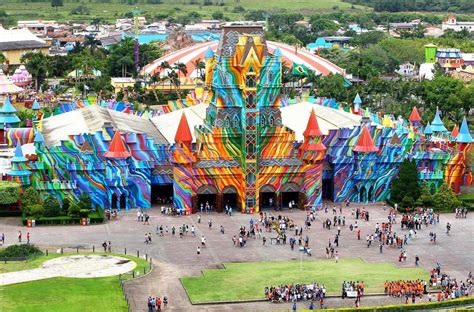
(295, 292)
(352, 289)
(405, 288)
(449, 287)
(461, 213)
(155, 304)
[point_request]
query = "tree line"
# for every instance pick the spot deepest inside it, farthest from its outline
(418, 5)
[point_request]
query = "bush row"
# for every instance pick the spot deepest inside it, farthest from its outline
(24, 251)
(95, 217)
(410, 307)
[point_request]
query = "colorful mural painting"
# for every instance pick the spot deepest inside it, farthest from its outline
(239, 153)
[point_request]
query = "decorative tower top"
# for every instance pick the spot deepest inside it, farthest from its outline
(464, 135)
(7, 114)
(357, 102)
(209, 53)
(365, 144)
(18, 165)
(312, 148)
(415, 118)
(35, 105)
(183, 133)
(117, 148)
(428, 130)
(437, 124)
(455, 131)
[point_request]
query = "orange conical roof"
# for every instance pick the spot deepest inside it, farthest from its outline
(455, 131)
(117, 148)
(312, 129)
(365, 144)
(183, 133)
(414, 116)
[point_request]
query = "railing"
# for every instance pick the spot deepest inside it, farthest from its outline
(57, 185)
(437, 174)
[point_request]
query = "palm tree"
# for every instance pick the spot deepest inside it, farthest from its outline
(124, 62)
(92, 43)
(200, 66)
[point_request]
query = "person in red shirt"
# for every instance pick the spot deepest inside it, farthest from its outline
(158, 304)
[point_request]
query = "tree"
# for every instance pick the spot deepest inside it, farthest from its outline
(3, 59)
(38, 66)
(57, 3)
(426, 198)
(85, 201)
(51, 206)
(66, 204)
(406, 183)
(218, 15)
(74, 210)
(445, 199)
(9, 193)
(30, 197)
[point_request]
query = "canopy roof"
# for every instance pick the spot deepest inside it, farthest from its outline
(7, 86)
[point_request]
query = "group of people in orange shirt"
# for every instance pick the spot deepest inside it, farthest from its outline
(403, 288)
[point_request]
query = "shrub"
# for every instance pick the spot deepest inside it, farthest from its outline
(445, 199)
(20, 251)
(408, 202)
(30, 197)
(36, 210)
(51, 206)
(9, 193)
(74, 210)
(83, 213)
(66, 204)
(85, 201)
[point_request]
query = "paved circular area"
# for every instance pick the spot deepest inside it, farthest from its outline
(80, 266)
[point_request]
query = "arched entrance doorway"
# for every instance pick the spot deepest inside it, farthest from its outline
(114, 202)
(206, 198)
(267, 197)
(370, 194)
(162, 193)
(363, 194)
(230, 198)
(123, 201)
(290, 194)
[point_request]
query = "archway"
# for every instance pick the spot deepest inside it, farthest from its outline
(363, 194)
(206, 198)
(370, 194)
(123, 201)
(114, 201)
(267, 197)
(290, 194)
(162, 193)
(230, 198)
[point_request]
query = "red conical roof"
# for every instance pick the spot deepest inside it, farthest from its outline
(455, 131)
(312, 129)
(414, 116)
(183, 133)
(117, 149)
(365, 144)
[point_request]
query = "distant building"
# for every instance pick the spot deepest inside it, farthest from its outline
(37, 27)
(406, 70)
(449, 59)
(452, 23)
(15, 43)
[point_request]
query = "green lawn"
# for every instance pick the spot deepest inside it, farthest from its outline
(110, 11)
(64, 294)
(247, 280)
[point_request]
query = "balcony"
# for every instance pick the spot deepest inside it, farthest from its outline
(430, 175)
(56, 185)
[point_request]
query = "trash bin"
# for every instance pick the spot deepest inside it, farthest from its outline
(84, 221)
(251, 210)
(28, 223)
(33, 223)
(88, 221)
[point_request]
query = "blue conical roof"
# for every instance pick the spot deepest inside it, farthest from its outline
(18, 155)
(36, 105)
(357, 99)
(209, 53)
(464, 135)
(7, 107)
(437, 124)
(38, 137)
(428, 129)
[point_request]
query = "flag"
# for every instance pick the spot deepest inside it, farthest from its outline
(300, 70)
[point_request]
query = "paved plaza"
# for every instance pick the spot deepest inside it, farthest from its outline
(175, 257)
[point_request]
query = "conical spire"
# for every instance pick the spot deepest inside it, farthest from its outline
(414, 116)
(312, 129)
(7, 107)
(395, 140)
(18, 157)
(117, 148)
(209, 53)
(464, 135)
(437, 124)
(183, 133)
(365, 144)
(357, 99)
(35, 105)
(312, 138)
(428, 130)
(38, 137)
(455, 131)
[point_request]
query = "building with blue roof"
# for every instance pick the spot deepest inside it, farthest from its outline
(8, 117)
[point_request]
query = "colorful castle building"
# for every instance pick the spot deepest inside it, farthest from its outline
(241, 150)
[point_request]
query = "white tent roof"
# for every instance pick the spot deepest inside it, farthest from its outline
(168, 123)
(294, 117)
(15, 35)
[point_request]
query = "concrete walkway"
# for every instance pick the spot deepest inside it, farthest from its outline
(82, 266)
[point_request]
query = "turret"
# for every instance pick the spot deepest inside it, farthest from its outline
(182, 153)
(209, 62)
(437, 124)
(415, 118)
(365, 144)
(428, 131)
(8, 118)
(312, 148)
(357, 102)
(464, 136)
(117, 149)
(19, 172)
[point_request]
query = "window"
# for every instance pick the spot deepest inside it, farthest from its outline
(250, 178)
(272, 121)
(262, 121)
(250, 121)
(236, 122)
(250, 81)
(250, 149)
(227, 122)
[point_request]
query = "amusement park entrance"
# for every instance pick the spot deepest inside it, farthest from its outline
(161, 194)
(290, 194)
(230, 198)
(267, 198)
(207, 198)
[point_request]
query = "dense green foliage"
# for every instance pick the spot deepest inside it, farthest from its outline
(29, 198)
(51, 206)
(419, 5)
(20, 251)
(405, 186)
(9, 193)
(445, 199)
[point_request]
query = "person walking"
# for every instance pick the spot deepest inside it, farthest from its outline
(294, 306)
(417, 260)
(198, 250)
(19, 236)
(336, 256)
(28, 237)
